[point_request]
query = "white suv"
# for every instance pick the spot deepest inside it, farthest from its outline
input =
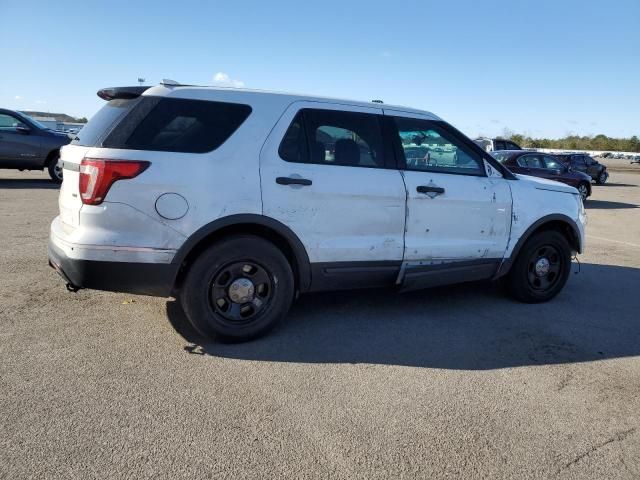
(235, 200)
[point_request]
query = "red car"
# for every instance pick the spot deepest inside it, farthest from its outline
(543, 165)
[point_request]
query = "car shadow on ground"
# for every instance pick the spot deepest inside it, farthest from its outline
(27, 183)
(609, 184)
(467, 327)
(606, 205)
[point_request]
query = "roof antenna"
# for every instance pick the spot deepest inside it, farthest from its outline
(169, 83)
(377, 101)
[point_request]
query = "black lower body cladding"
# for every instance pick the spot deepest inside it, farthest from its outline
(155, 279)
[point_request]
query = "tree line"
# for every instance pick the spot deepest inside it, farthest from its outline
(575, 142)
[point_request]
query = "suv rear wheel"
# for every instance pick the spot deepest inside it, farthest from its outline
(541, 268)
(238, 288)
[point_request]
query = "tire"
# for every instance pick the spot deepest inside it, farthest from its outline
(219, 302)
(583, 188)
(55, 169)
(526, 280)
(602, 178)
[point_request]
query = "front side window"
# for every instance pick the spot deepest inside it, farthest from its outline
(531, 161)
(333, 137)
(429, 147)
(512, 146)
(552, 163)
(9, 123)
(499, 145)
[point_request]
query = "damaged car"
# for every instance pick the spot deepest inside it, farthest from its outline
(236, 201)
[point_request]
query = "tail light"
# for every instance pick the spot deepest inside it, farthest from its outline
(97, 175)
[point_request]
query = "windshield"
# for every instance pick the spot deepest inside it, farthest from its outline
(33, 121)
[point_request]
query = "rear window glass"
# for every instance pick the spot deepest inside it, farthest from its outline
(500, 156)
(101, 123)
(174, 125)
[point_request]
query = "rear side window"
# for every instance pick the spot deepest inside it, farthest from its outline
(172, 125)
(577, 160)
(500, 156)
(294, 146)
(334, 137)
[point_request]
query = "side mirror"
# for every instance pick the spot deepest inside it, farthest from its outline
(558, 171)
(23, 129)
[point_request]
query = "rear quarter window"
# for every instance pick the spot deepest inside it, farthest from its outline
(171, 125)
(102, 122)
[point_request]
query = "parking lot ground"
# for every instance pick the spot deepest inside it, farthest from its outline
(455, 382)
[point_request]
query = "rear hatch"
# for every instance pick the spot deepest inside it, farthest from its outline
(91, 135)
(69, 201)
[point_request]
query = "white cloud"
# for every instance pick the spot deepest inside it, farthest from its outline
(224, 80)
(386, 53)
(18, 97)
(41, 102)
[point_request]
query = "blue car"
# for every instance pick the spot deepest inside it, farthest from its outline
(26, 144)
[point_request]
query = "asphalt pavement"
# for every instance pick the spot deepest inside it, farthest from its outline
(454, 382)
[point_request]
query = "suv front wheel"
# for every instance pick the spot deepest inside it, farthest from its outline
(238, 288)
(541, 268)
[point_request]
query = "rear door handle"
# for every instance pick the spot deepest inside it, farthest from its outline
(293, 181)
(427, 189)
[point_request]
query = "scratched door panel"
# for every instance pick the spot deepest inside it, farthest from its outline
(470, 220)
(346, 213)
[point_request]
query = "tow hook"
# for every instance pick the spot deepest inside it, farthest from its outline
(72, 288)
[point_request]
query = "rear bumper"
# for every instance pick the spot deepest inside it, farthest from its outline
(155, 279)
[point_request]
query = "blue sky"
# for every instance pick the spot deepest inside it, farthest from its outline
(542, 67)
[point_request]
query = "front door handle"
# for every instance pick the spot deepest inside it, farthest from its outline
(430, 190)
(293, 181)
